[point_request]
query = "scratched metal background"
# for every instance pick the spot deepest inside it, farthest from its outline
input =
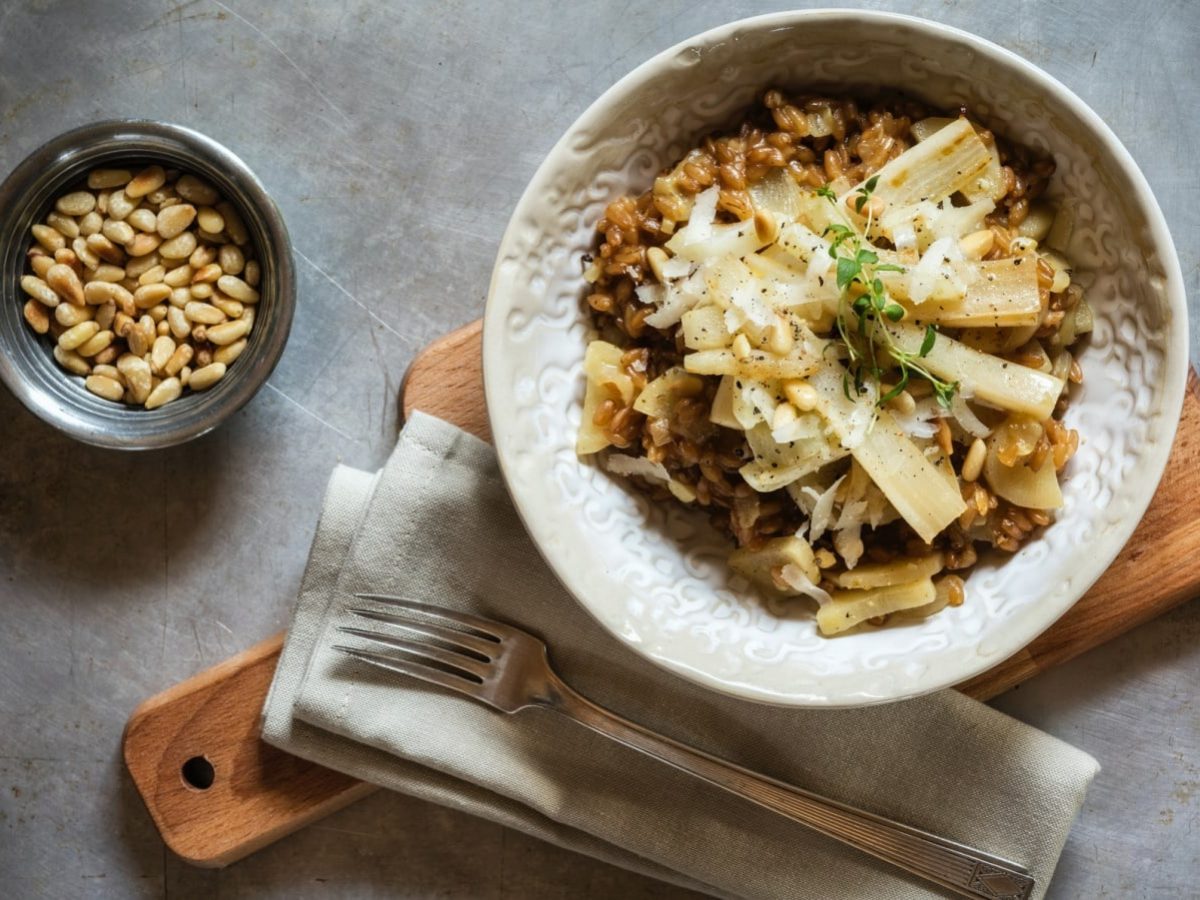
(397, 138)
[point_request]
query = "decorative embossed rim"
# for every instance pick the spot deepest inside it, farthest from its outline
(533, 502)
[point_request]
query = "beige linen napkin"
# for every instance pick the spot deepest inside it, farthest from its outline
(437, 525)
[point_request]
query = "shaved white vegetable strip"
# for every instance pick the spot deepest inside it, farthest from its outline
(896, 465)
(735, 240)
(1001, 293)
(946, 162)
(990, 184)
(990, 379)
(849, 608)
(757, 364)
(779, 194)
(904, 570)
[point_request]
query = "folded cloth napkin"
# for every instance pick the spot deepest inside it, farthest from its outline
(437, 525)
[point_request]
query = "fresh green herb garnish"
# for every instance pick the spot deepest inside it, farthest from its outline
(864, 309)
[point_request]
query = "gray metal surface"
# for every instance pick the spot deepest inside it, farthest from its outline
(396, 138)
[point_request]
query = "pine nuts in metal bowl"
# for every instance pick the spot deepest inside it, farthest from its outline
(147, 284)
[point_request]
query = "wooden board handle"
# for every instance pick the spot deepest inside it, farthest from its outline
(259, 794)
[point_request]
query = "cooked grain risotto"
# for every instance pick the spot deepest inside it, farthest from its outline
(845, 330)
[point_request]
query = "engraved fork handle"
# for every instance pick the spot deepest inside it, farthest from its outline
(962, 869)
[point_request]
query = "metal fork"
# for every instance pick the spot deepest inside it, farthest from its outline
(509, 669)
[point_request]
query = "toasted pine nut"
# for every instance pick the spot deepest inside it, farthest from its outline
(253, 273)
(141, 337)
(178, 321)
(231, 308)
(180, 357)
(118, 232)
(84, 253)
(231, 259)
(973, 464)
(228, 332)
(165, 392)
(200, 334)
(234, 226)
(63, 224)
(50, 239)
(120, 205)
(144, 243)
(229, 352)
(106, 249)
(174, 220)
(240, 290)
(766, 227)
(945, 439)
(102, 202)
(159, 313)
(149, 295)
(160, 352)
(785, 414)
(903, 402)
(152, 275)
(977, 244)
(149, 179)
(209, 273)
(143, 220)
(192, 189)
(41, 264)
(123, 323)
(105, 357)
(71, 361)
(39, 290)
(109, 273)
(97, 342)
(108, 372)
(178, 247)
(78, 335)
(140, 265)
(741, 344)
(204, 355)
(203, 379)
(97, 292)
(103, 386)
(162, 198)
(76, 203)
(91, 224)
(185, 375)
(66, 257)
(655, 257)
(181, 297)
(38, 316)
(108, 178)
(137, 375)
(202, 256)
(180, 276)
(63, 280)
(69, 316)
(202, 290)
(105, 313)
(780, 338)
(800, 394)
(203, 313)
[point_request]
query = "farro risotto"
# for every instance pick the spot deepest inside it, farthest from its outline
(845, 330)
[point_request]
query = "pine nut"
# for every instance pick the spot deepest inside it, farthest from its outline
(78, 335)
(103, 386)
(38, 316)
(192, 189)
(71, 361)
(162, 329)
(39, 290)
(178, 247)
(150, 295)
(84, 253)
(253, 273)
(202, 256)
(64, 282)
(76, 203)
(108, 372)
(159, 313)
(97, 292)
(97, 342)
(144, 243)
(228, 332)
(180, 357)
(237, 289)
(210, 220)
(118, 232)
(102, 202)
(162, 198)
(141, 337)
(91, 224)
(180, 276)
(137, 375)
(50, 239)
(741, 343)
(63, 224)
(69, 316)
(109, 273)
(209, 273)
(229, 352)
(160, 352)
(178, 322)
(203, 379)
(180, 297)
(41, 265)
(123, 324)
(149, 179)
(106, 249)
(204, 355)
(108, 178)
(164, 393)
(105, 314)
(143, 220)
(231, 308)
(185, 375)
(231, 259)
(978, 244)
(120, 205)
(801, 395)
(173, 220)
(973, 464)
(153, 275)
(66, 257)
(203, 313)
(234, 225)
(903, 402)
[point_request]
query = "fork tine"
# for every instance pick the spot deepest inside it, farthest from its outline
(451, 658)
(493, 629)
(414, 670)
(482, 646)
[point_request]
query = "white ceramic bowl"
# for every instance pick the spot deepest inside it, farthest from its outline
(655, 575)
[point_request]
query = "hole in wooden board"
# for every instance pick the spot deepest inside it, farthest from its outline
(198, 773)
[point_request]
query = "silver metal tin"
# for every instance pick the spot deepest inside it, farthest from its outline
(27, 364)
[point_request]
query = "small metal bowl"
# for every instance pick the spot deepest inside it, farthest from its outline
(27, 363)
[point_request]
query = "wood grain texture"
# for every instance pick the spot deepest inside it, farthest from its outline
(260, 794)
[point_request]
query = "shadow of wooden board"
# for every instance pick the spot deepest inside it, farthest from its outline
(258, 794)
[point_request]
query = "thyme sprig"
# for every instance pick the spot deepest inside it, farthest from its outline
(865, 308)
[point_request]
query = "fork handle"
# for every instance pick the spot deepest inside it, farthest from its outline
(960, 868)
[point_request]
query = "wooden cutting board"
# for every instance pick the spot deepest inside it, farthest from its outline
(217, 792)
